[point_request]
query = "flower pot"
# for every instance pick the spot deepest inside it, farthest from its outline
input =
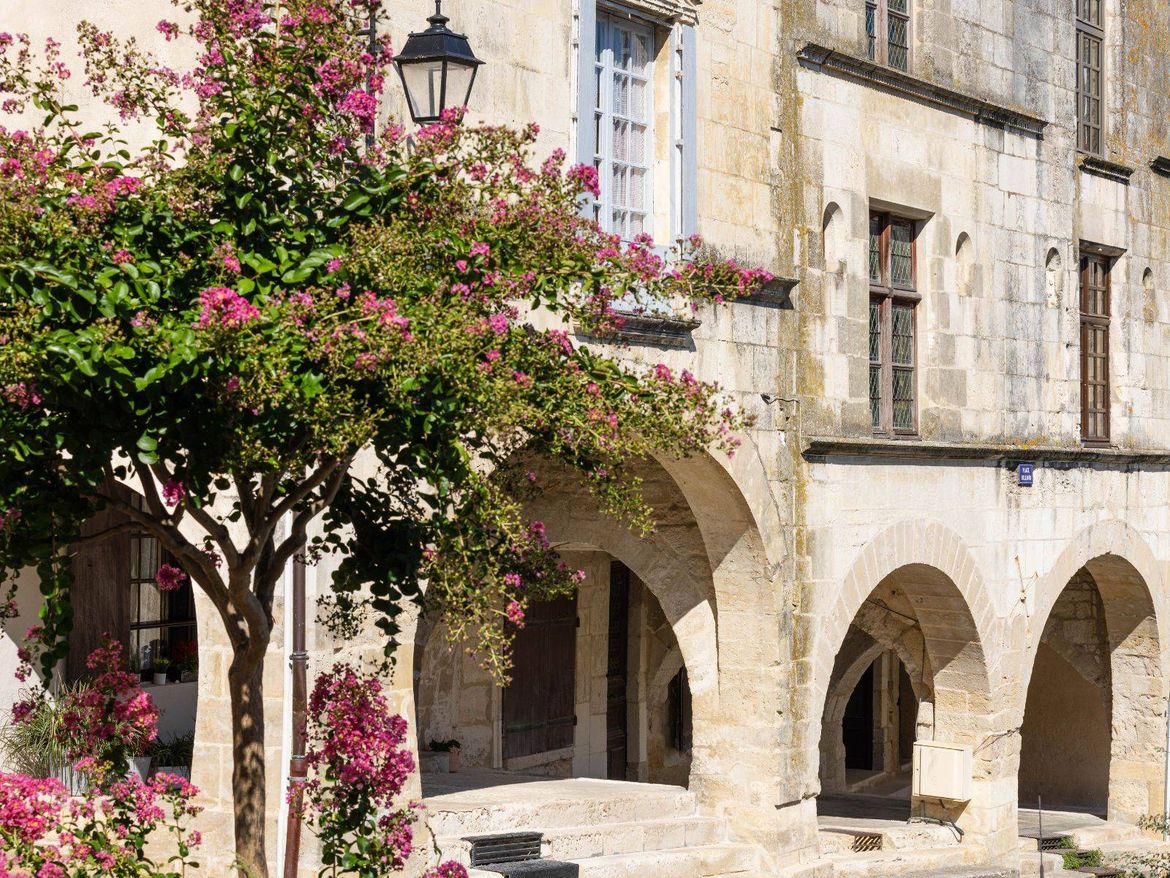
(189, 677)
(453, 759)
(139, 767)
(160, 678)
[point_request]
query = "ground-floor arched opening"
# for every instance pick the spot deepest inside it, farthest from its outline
(1093, 723)
(909, 670)
(599, 689)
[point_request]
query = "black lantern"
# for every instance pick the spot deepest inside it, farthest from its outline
(437, 68)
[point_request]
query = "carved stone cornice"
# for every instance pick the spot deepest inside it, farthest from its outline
(821, 449)
(685, 11)
(1161, 165)
(1099, 167)
(921, 90)
(651, 329)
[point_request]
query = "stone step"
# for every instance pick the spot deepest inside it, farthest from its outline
(1053, 864)
(605, 839)
(571, 804)
(707, 861)
(910, 836)
(1106, 834)
(901, 864)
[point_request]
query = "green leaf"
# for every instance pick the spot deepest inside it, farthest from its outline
(146, 442)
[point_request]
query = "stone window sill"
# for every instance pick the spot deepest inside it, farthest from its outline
(924, 91)
(1099, 167)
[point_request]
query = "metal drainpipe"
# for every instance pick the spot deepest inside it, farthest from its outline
(1166, 781)
(297, 766)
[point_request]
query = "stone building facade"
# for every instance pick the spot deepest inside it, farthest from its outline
(949, 521)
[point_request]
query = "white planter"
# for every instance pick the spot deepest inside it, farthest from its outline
(160, 679)
(139, 767)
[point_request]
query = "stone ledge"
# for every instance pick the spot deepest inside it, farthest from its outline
(820, 449)
(776, 292)
(889, 79)
(671, 332)
(1161, 165)
(1099, 167)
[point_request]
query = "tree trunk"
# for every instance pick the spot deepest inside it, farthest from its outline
(245, 679)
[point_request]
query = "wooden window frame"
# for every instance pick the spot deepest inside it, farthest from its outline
(1090, 31)
(1092, 321)
(886, 294)
(878, 44)
(603, 116)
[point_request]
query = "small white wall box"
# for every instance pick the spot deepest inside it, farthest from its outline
(942, 771)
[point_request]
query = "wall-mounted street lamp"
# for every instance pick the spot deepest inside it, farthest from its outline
(437, 68)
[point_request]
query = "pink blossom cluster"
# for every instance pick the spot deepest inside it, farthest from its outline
(224, 308)
(173, 492)
(48, 834)
(359, 763)
(169, 577)
(111, 717)
(22, 395)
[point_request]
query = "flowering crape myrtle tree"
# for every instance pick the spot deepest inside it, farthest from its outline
(225, 319)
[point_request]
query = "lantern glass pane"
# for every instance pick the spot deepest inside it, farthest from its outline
(459, 80)
(424, 88)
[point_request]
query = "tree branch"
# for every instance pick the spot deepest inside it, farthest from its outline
(104, 535)
(296, 496)
(266, 579)
(175, 543)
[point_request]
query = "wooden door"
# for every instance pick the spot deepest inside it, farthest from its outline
(538, 706)
(617, 671)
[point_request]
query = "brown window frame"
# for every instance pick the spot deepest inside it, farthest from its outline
(888, 294)
(1095, 306)
(1090, 75)
(878, 41)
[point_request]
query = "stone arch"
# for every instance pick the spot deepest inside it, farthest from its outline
(924, 545)
(1129, 583)
(1109, 545)
(834, 237)
(1053, 277)
(928, 570)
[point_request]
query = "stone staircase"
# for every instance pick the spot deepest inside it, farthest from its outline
(1105, 838)
(610, 829)
(888, 849)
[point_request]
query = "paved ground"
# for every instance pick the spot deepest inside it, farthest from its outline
(1056, 822)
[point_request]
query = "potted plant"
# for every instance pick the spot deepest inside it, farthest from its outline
(161, 665)
(173, 756)
(452, 748)
(186, 655)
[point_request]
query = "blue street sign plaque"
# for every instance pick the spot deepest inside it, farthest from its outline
(1026, 471)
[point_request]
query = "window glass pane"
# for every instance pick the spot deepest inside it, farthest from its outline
(899, 41)
(875, 249)
(903, 399)
(899, 6)
(875, 395)
(871, 30)
(903, 335)
(875, 332)
(901, 255)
